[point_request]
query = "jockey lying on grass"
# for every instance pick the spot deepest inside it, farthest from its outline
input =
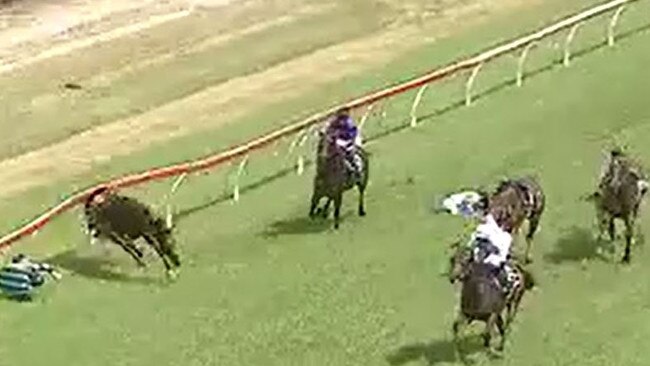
(468, 204)
(20, 278)
(490, 241)
(346, 135)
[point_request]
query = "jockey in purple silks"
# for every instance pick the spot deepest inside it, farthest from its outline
(346, 135)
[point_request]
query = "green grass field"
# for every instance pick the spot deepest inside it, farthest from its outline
(261, 285)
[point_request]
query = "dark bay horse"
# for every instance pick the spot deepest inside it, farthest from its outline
(515, 201)
(334, 177)
(123, 220)
(621, 189)
(483, 298)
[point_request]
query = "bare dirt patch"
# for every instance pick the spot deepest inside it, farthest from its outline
(218, 105)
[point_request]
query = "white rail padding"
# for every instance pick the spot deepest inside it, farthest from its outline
(241, 150)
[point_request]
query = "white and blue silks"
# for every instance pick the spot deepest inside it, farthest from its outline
(465, 204)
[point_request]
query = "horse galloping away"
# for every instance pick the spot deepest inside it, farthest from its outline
(334, 177)
(483, 298)
(123, 220)
(621, 189)
(515, 201)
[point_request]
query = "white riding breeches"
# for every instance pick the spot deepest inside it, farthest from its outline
(502, 240)
(462, 203)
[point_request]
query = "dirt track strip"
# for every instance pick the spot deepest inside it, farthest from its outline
(93, 40)
(246, 148)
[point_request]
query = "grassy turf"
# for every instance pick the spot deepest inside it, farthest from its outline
(264, 287)
(37, 111)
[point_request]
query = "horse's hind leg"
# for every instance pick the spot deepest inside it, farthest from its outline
(156, 246)
(326, 209)
(611, 229)
(533, 224)
(314, 205)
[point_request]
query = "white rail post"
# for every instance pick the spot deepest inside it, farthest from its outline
(301, 157)
(365, 116)
(470, 83)
(522, 60)
(240, 170)
(175, 186)
(567, 44)
(416, 103)
(612, 25)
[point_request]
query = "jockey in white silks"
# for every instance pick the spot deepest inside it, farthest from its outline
(498, 242)
(467, 204)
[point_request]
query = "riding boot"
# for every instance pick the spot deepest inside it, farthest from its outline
(353, 162)
(504, 280)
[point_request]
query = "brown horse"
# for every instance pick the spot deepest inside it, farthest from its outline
(483, 298)
(123, 220)
(621, 189)
(334, 177)
(513, 202)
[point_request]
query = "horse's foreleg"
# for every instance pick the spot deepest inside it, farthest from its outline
(502, 332)
(127, 247)
(337, 209)
(489, 328)
(629, 234)
(459, 325)
(362, 192)
(533, 224)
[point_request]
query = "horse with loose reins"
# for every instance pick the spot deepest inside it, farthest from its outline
(123, 220)
(515, 201)
(482, 296)
(334, 177)
(620, 191)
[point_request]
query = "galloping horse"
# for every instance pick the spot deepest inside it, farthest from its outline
(334, 177)
(482, 297)
(517, 200)
(620, 192)
(123, 220)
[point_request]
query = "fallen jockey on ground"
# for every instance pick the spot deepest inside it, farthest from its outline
(346, 135)
(20, 278)
(468, 204)
(494, 243)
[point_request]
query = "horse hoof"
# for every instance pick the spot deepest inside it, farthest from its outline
(362, 213)
(625, 260)
(172, 274)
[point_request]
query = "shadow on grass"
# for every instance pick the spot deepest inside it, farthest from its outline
(433, 353)
(303, 225)
(95, 268)
(578, 244)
